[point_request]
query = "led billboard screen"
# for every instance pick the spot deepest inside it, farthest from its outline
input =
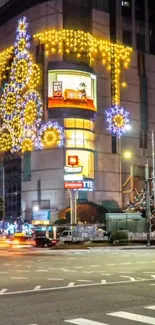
(71, 88)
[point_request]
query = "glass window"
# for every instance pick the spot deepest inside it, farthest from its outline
(79, 139)
(86, 160)
(125, 4)
(79, 123)
(89, 125)
(69, 122)
(114, 144)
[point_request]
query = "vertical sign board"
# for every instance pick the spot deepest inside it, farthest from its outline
(27, 167)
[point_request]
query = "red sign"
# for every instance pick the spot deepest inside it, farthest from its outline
(57, 89)
(73, 185)
(73, 160)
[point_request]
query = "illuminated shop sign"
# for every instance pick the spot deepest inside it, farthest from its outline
(73, 185)
(73, 160)
(71, 88)
(57, 89)
(41, 215)
(73, 170)
(73, 177)
(82, 186)
(88, 186)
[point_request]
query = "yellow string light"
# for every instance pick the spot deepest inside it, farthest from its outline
(27, 145)
(84, 44)
(30, 112)
(118, 120)
(21, 71)
(5, 140)
(51, 138)
(34, 76)
(5, 56)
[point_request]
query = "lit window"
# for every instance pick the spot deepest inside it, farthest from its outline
(69, 122)
(86, 160)
(89, 125)
(78, 124)
(79, 139)
(125, 4)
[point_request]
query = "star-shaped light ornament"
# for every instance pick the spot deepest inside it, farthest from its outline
(118, 120)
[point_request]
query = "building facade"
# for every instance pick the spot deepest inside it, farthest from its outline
(99, 153)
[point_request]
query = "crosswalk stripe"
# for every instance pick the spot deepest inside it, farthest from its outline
(83, 321)
(134, 317)
(150, 307)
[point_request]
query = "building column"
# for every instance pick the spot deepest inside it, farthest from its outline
(147, 36)
(118, 21)
(133, 20)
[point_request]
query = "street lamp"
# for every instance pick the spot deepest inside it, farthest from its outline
(127, 154)
(36, 208)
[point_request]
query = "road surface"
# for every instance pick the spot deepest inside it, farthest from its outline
(112, 287)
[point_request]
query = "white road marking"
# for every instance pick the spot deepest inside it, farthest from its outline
(37, 288)
(126, 272)
(54, 279)
(128, 277)
(3, 272)
(150, 307)
(3, 291)
(93, 265)
(79, 267)
(70, 285)
(134, 317)
(88, 272)
(84, 280)
(7, 264)
(153, 276)
(83, 321)
(141, 262)
(103, 281)
(96, 284)
(41, 270)
(66, 270)
(18, 278)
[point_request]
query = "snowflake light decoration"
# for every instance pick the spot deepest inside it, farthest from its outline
(51, 135)
(118, 120)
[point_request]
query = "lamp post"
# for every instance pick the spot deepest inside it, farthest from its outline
(153, 164)
(148, 212)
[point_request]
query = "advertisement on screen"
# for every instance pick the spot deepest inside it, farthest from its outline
(71, 88)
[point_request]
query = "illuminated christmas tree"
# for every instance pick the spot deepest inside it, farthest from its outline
(21, 105)
(139, 203)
